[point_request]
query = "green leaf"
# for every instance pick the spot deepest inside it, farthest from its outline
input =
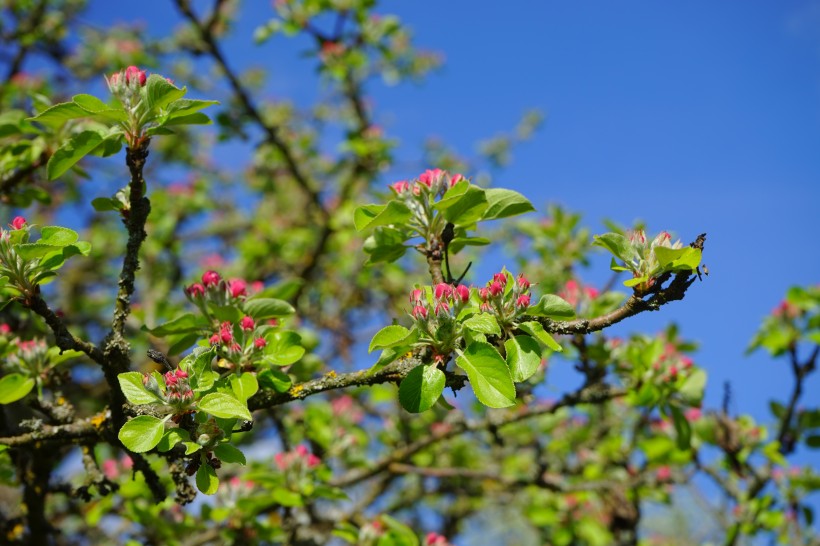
(370, 216)
(635, 281)
(58, 114)
(184, 107)
(229, 454)
(387, 356)
(553, 307)
(197, 118)
(159, 92)
(285, 497)
(104, 204)
(171, 438)
(95, 106)
(618, 245)
(58, 236)
(133, 389)
(682, 428)
(505, 203)
(274, 379)
(482, 323)
(182, 324)
(420, 389)
(142, 433)
(206, 479)
(266, 308)
(392, 336)
(220, 404)
(30, 251)
(537, 331)
(469, 208)
(284, 348)
(678, 259)
(73, 150)
(386, 244)
(14, 386)
(523, 357)
(244, 386)
(488, 374)
(692, 389)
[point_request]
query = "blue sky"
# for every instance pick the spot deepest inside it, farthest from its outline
(694, 117)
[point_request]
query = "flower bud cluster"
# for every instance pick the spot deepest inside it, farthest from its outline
(300, 459)
(505, 297)
(177, 390)
(216, 290)
(647, 264)
(31, 355)
(448, 300)
(126, 84)
(430, 182)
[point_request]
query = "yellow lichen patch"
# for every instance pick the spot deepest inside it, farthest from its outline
(331, 374)
(60, 401)
(295, 390)
(408, 354)
(98, 420)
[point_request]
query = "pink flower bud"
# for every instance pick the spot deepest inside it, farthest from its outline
(484, 293)
(416, 295)
(463, 293)
(238, 288)
(301, 450)
(181, 374)
(500, 278)
(109, 468)
(692, 414)
(663, 474)
(195, 290)
(430, 177)
(591, 292)
(259, 342)
(313, 461)
(419, 312)
(523, 300)
(442, 308)
(246, 323)
(443, 291)
(456, 179)
(214, 340)
(114, 79)
(170, 379)
(281, 461)
(400, 187)
(5, 328)
(18, 222)
(132, 73)
(496, 288)
(226, 332)
(523, 282)
(211, 278)
(673, 373)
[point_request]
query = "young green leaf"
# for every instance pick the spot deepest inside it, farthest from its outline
(244, 386)
(266, 308)
(482, 323)
(678, 259)
(220, 404)
(618, 245)
(488, 374)
(420, 389)
(159, 92)
(369, 216)
(134, 390)
(171, 438)
(469, 208)
(142, 433)
(272, 378)
(537, 331)
(551, 306)
(692, 389)
(523, 357)
(392, 336)
(14, 386)
(505, 203)
(73, 150)
(57, 115)
(284, 348)
(229, 454)
(206, 479)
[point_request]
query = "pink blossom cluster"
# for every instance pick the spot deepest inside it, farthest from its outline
(786, 311)
(575, 294)
(430, 182)
(127, 81)
(177, 390)
(225, 335)
(112, 468)
(447, 299)
(672, 362)
(496, 297)
(300, 458)
(219, 291)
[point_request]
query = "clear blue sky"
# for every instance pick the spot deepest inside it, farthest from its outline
(693, 116)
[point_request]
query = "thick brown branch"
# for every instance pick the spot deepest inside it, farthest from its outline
(64, 339)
